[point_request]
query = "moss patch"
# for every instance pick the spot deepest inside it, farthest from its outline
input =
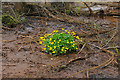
(9, 20)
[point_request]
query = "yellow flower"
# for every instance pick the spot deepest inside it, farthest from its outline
(45, 35)
(76, 48)
(50, 34)
(53, 52)
(50, 39)
(44, 48)
(72, 45)
(62, 29)
(54, 40)
(68, 32)
(40, 42)
(41, 37)
(71, 42)
(45, 45)
(54, 47)
(67, 41)
(52, 43)
(77, 37)
(60, 40)
(56, 30)
(50, 48)
(73, 33)
(65, 30)
(61, 32)
(61, 49)
(67, 48)
(49, 42)
(81, 40)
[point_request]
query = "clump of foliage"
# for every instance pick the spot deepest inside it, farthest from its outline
(9, 20)
(57, 43)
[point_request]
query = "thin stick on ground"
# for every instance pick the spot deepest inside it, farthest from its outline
(81, 48)
(113, 47)
(20, 47)
(87, 74)
(110, 39)
(7, 40)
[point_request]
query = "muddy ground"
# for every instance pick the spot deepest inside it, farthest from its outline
(23, 58)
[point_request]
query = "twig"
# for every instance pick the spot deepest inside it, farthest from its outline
(21, 46)
(9, 65)
(94, 46)
(87, 73)
(81, 48)
(110, 39)
(112, 47)
(91, 12)
(7, 40)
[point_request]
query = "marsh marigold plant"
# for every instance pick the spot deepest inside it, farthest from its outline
(57, 43)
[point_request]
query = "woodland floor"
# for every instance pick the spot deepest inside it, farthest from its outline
(23, 58)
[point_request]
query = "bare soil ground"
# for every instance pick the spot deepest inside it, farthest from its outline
(22, 58)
